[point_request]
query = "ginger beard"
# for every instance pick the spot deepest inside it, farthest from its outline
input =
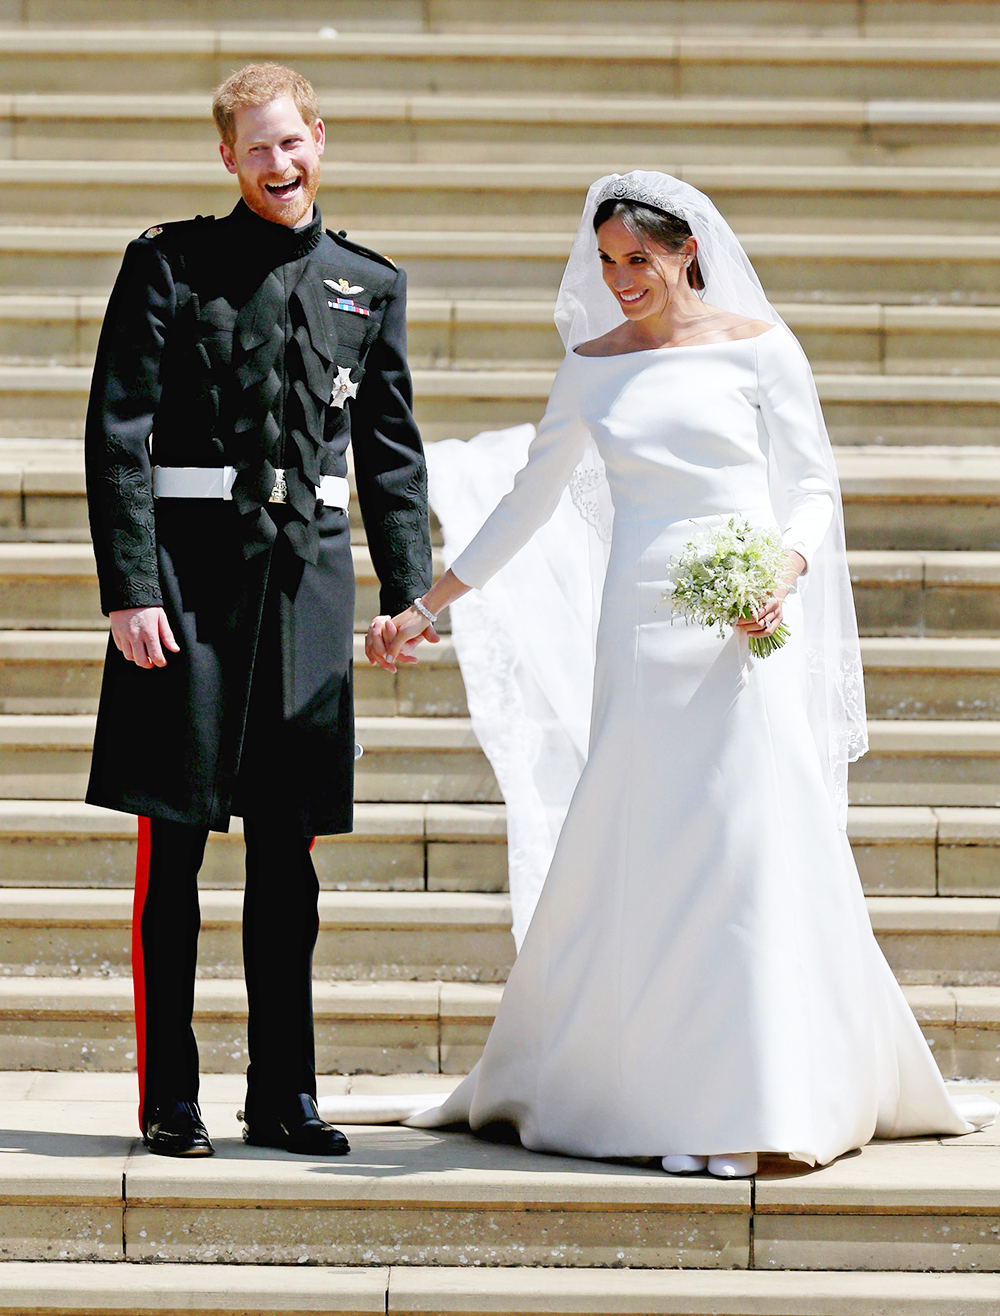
(275, 156)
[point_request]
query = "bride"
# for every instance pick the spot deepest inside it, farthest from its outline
(699, 980)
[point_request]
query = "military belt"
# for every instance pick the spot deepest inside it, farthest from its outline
(217, 482)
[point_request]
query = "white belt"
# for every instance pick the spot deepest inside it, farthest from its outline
(217, 482)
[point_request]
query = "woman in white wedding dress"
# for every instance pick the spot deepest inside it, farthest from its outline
(699, 980)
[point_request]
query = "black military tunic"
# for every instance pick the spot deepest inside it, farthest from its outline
(238, 342)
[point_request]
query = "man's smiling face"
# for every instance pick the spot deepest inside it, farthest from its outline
(275, 155)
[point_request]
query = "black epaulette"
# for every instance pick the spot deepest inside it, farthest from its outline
(345, 241)
(176, 227)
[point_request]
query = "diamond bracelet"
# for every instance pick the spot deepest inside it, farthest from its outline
(424, 611)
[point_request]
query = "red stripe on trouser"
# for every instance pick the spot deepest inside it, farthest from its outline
(138, 964)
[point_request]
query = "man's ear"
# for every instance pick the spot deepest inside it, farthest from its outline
(228, 159)
(319, 136)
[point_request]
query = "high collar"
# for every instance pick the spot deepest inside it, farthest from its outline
(284, 243)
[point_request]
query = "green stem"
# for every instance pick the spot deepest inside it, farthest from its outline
(762, 646)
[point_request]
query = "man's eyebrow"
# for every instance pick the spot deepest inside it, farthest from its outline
(266, 141)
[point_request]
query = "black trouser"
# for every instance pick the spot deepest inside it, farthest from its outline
(280, 919)
(280, 923)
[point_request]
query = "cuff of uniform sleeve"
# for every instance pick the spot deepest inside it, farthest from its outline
(120, 603)
(393, 602)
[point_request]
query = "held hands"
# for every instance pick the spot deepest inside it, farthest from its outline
(142, 634)
(392, 640)
(767, 619)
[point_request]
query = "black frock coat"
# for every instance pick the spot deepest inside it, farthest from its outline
(224, 343)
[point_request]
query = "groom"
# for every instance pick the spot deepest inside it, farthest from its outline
(238, 359)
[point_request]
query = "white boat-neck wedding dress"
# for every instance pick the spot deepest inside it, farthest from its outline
(700, 975)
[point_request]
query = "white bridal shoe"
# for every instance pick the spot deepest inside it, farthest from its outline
(685, 1164)
(723, 1167)
(734, 1166)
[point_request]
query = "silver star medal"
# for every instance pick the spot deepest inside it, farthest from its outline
(343, 388)
(343, 287)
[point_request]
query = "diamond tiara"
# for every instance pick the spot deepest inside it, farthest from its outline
(629, 189)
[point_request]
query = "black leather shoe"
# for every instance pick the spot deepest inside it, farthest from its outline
(294, 1125)
(175, 1128)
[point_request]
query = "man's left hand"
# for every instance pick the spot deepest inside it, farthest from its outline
(392, 640)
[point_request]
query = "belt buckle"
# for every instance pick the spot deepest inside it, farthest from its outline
(279, 493)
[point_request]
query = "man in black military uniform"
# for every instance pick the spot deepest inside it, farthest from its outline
(238, 359)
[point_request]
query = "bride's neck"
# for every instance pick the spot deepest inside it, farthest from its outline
(683, 316)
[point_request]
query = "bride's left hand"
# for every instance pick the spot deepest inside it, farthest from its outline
(767, 618)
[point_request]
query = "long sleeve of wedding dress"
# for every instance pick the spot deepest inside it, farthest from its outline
(554, 454)
(796, 448)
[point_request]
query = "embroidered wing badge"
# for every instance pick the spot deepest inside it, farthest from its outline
(344, 298)
(342, 286)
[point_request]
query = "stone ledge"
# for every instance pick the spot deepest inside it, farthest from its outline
(436, 822)
(520, 108)
(468, 383)
(922, 180)
(57, 1287)
(399, 734)
(104, 239)
(340, 911)
(605, 47)
(439, 1292)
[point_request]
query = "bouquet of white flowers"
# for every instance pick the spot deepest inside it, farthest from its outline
(724, 575)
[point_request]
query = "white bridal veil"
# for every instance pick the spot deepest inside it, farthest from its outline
(525, 642)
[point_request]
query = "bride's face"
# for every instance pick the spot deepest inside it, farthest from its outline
(646, 281)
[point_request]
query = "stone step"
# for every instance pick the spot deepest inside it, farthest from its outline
(921, 679)
(642, 62)
(415, 128)
(675, 17)
(438, 760)
(860, 409)
(924, 852)
(52, 586)
(428, 936)
(184, 1289)
(533, 196)
(926, 593)
(87, 1024)
(900, 851)
(905, 677)
(60, 672)
(406, 759)
(38, 329)
(366, 1027)
(920, 497)
(394, 847)
(537, 1233)
(938, 762)
(895, 497)
(922, 263)
(410, 936)
(941, 941)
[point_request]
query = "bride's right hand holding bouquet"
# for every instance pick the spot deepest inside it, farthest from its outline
(737, 575)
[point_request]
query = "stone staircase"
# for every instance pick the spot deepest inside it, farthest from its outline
(854, 145)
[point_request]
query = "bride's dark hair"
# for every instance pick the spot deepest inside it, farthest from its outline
(659, 226)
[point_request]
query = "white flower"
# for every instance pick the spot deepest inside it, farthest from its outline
(725, 574)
